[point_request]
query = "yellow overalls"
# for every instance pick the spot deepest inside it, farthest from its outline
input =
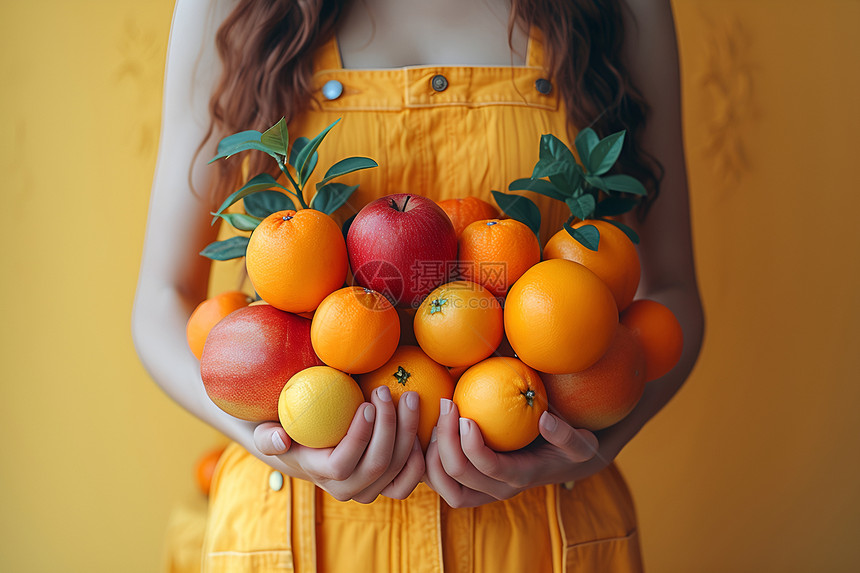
(442, 132)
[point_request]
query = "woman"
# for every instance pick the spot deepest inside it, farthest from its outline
(450, 98)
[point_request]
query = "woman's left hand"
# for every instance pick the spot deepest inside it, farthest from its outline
(466, 473)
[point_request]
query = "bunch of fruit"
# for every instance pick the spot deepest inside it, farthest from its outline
(447, 299)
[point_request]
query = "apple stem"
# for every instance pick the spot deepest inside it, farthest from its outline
(405, 202)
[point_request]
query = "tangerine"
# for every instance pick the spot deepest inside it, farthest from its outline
(615, 261)
(355, 330)
(660, 334)
(411, 370)
(603, 394)
(505, 398)
(204, 469)
(496, 252)
(317, 405)
(459, 323)
(560, 317)
(296, 258)
(465, 210)
(208, 313)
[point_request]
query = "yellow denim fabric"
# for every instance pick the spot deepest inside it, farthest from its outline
(477, 135)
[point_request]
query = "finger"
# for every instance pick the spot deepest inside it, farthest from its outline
(407, 426)
(271, 439)
(377, 457)
(489, 462)
(339, 463)
(407, 480)
(452, 491)
(578, 445)
(454, 460)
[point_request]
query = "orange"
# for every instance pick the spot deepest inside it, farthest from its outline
(465, 210)
(560, 317)
(615, 261)
(355, 330)
(317, 405)
(410, 370)
(603, 394)
(496, 252)
(505, 398)
(660, 334)
(208, 313)
(459, 323)
(296, 258)
(204, 469)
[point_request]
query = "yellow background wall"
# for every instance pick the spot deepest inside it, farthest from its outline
(753, 467)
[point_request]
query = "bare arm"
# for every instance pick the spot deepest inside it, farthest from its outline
(174, 277)
(459, 466)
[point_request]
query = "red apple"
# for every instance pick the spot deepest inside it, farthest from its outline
(249, 356)
(403, 246)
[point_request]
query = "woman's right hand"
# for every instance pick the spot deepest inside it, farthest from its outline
(380, 454)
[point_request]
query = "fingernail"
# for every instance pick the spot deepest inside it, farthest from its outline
(445, 406)
(412, 401)
(278, 442)
(465, 426)
(433, 434)
(384, 393)
(549, 421)
(369, 412)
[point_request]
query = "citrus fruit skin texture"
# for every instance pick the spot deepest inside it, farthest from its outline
(355, 330)
(459, 324)
(465, 210)
(249, 356)
(208, 313)
(296, 258)
(615, 261)
(605, 393)
(660, 334)
(505, 398)
(316, 406)
(411, 370)
(560, 317)
(496, 252)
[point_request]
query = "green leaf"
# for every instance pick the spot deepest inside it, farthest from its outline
(232, 248)
(581, 207)
(520, 208)
(552, 147)
(264, 203)
(246, 146)
(596, 181)
(261, 182)
(586, 140)
(569, 180)
(538, 186)
(298, 145)
(624, 184)
(277, 138)
(331, 197)
(233, 140)
(588, 235)
(240, 220)
(612, 205)
(304, 165)
(605, 154)
(345, 166)
(631, 234)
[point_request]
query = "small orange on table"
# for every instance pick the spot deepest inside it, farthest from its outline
(355, 329)
(208, 313)
(465, 210)
(615, 261)
(505, 398)
(459, 324)
(411, 370)
(560, 317)
(296, 258)
(496, 252)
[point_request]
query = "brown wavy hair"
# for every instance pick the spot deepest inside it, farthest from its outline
(266, 48)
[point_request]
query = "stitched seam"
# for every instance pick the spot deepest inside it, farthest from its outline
(605, 540)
